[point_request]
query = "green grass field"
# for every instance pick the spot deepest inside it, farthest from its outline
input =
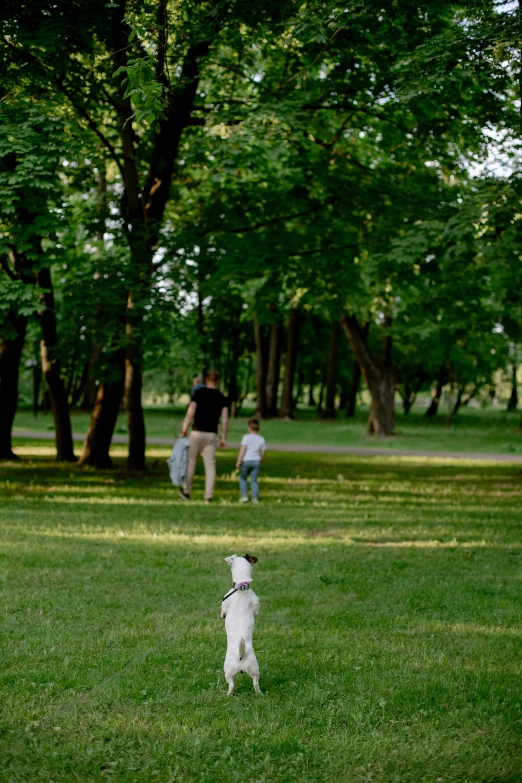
(389, 639)
(475, 430)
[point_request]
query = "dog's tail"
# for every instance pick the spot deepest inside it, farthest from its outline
(241, 648)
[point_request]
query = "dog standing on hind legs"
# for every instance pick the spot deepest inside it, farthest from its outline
(239, 608)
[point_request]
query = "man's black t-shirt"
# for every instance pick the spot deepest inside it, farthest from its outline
(210, 403)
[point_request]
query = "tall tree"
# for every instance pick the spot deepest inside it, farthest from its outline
(30, 149)
(273, 369)
(16, 305)
(331, 371)
(286, 410)
(139, 106)
(380, 376)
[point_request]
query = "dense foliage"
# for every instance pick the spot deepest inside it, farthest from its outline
(299, 195)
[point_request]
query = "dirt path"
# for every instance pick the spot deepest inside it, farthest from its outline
(307, 449)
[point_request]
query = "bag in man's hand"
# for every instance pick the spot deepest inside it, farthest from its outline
(177, 462)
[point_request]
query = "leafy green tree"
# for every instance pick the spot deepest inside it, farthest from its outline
(339, 169)
(131, 72)
(30, 149)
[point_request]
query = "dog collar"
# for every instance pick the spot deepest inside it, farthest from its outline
(237, 586)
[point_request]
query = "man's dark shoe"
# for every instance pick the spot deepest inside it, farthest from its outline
(184, 495)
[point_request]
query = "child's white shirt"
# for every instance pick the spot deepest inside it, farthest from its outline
(255, 444)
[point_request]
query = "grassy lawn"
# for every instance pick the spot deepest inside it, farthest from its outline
(389, 639)
(474, 430)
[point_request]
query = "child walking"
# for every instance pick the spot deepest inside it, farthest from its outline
(249, 461)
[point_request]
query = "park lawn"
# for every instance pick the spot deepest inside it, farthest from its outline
(491, 431)
(389, 639)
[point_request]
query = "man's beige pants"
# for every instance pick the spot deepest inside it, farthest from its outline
(202, 443)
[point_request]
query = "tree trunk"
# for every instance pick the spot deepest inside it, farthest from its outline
(232, 369)
(380, 376)
(141, 253)
(143, 208)
(433, 407)
(233, 391)
(406, 395)
(356, 379)
(79, 385)
(311, 400)
(90, 389)
(513, 400)
(243, 394)
(10, 355)
(103, 421)
(51, 368)
(286, 409)
(232, 385)
(37, 379)
(462, 400)
(354, 390)
(321, 398)
(46, 398)
(272, 374)
(458, 401)
(331, 371)
(69, 381)
(441, 382)
(410, 390)
(299, 391)
(382, 411)
(134, 409)
(261, 410)
(12, 341)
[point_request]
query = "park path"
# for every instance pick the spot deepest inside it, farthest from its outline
(307, 449)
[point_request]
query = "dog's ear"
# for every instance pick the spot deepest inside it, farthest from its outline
(251, 559)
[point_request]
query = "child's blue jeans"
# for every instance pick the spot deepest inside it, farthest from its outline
(251, 469)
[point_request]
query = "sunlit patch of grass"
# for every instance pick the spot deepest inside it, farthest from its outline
(390, 633)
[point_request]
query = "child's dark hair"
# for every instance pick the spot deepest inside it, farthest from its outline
(254, 424)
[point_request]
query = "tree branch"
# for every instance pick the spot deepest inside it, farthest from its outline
(357, 341)
(272, 221)
(167, 139)
(355, 110)
(327, 145)
(163, 40)
(325, 250)
(325, 47)
(30, 58)
(92, 125)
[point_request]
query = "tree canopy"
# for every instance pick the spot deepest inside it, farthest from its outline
(297, 194)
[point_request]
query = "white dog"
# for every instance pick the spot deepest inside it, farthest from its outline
(239, 607)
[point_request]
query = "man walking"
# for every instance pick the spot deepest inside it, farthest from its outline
(206, 408)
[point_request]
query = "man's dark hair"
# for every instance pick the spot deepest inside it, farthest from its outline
(254, 424)
(212, 375)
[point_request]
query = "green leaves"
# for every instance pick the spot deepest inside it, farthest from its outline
(144, 89)
(16, 295)
(322, 160)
